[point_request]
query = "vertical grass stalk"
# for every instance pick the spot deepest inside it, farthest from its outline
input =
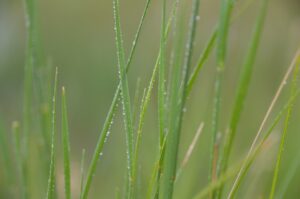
(51, 178)
(161, 79)
(224, 22)
(178, 98)
(125, 98)
(66, 146)
(242, 90)
(107, 123)
(30, 15)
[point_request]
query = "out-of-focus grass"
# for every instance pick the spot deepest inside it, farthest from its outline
(85, 54)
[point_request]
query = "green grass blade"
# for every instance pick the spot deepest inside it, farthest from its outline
(30, 12)
(224, 22)
(162, 103)
(110, 114)
(136, 102)
(242, 90)
(18, 157)
(144, 107)
(82, 172)
(125, 98)
(153, 185)
(165, 115)
(178, 102)
(212, 175)
(203, 57)
(286, 125)
(267, 115)
(66, 146)
(161, 79)
(137, 35)
(51, 179)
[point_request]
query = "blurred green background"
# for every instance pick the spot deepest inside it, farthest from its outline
(77, 37)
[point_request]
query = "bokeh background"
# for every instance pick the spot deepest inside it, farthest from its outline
(77, 37)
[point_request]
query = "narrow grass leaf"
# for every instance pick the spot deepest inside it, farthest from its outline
(125, 98)
(242, 90)
(82, 172)
(161, 79)
(110, 114)
(51, 178)
(145, 102)
(153, 185)
(136, 101)
(66, 146)
(30, 12)
(223, 29)
(224, 22)
(170, 161)
(203, 57)
(18, 158)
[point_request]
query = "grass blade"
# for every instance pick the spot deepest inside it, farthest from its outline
(224, 22)
(178, 102)
(136, 102)
(153, 185)
(82, 172)
(144, 107)
(203, 57)
(286, 125)
(242, 90)
(66, 146)
(162, 85)
(51, 179)
(125, 98)
(161, 79)
(30, 15)
(110, 115)
(18, 157)
(273, 102)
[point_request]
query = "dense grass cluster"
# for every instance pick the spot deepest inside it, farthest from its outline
(173, 78)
